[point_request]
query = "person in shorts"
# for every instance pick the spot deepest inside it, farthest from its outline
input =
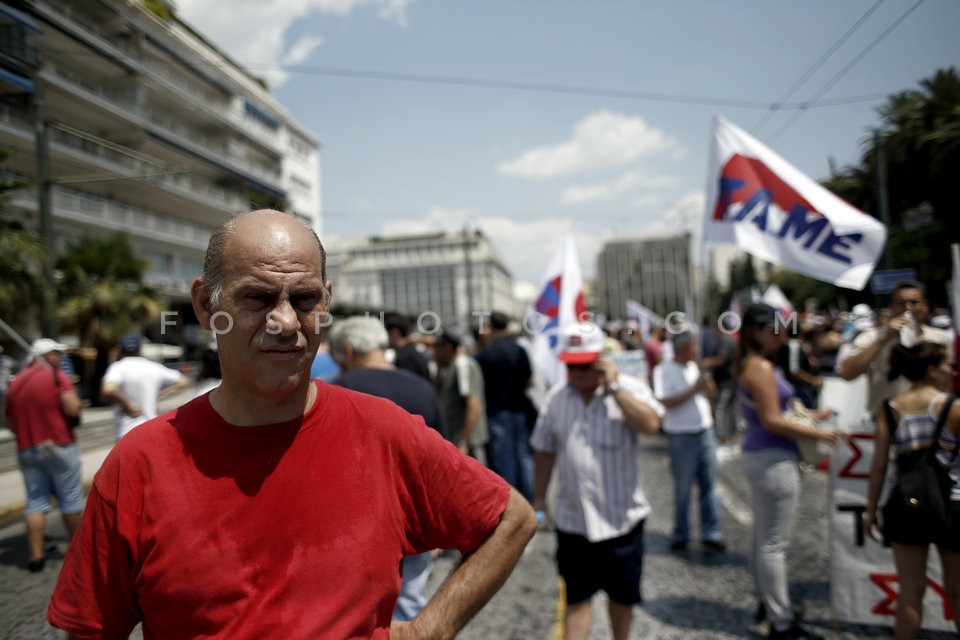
(589, 429)
(40, 402)
(906, 430)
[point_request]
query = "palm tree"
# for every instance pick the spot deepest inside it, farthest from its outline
(102, 292)
(921, 141)
(23, 256)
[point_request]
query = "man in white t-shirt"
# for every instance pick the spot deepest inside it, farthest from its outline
(686, 394)
(134, 384)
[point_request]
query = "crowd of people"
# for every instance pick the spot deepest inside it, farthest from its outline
(360, 453)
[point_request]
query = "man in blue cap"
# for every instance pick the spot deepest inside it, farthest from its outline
(134, 385)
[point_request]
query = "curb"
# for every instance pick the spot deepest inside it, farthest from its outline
(11, 514)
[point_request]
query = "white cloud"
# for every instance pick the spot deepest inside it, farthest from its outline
(601, 140)
(613, 189)
(395, 10)
(254, 31)
(646, 201)
(302, 49)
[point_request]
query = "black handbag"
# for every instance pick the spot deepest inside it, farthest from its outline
(922, 490)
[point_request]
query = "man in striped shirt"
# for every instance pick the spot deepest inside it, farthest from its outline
(589, 428)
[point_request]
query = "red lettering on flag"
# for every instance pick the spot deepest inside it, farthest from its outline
(887, 606)
(847, 470)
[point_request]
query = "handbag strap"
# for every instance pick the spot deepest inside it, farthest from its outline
(941, 421)
(944, 414)
(892, 425)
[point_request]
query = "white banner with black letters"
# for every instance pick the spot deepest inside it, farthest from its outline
(864, 582)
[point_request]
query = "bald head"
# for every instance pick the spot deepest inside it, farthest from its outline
(274, 230)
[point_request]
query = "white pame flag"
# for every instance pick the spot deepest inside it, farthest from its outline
(767, 207)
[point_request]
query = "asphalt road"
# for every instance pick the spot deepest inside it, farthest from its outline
(690, 595)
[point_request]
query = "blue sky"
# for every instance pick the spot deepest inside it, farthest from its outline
(532, 118)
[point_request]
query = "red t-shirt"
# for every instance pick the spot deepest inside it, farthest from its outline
(33, 408)
(291, 530)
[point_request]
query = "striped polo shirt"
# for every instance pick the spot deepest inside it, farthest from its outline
(598, 460)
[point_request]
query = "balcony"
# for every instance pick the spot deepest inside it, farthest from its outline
(231, 113)
(119, 103)
(70, 204)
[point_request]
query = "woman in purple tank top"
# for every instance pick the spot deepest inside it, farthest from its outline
(770, 462)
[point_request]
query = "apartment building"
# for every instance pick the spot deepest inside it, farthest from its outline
(138, 124)
(653, 271)
(445, 276)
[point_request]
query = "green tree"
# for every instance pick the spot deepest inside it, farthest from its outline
(23, 286)
(102, 295)
(23, 257)
(920, 138)
(799, 288)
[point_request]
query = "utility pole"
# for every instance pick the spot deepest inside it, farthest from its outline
(468, 278)
(883, 207)
(48, 320)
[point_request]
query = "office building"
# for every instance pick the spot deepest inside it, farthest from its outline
(445, 276)
(655, 272)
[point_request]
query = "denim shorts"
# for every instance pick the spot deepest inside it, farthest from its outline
(53, 470)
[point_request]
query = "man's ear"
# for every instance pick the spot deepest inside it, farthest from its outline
(201, 302)
(329, 300)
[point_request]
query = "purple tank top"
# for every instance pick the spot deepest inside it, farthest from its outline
(755, 437)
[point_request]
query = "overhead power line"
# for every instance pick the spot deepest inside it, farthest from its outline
(535, 87)
(539, 87)
(836, 78)
(776, 106)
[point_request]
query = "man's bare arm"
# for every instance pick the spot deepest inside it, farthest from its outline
(476, 579)
(110, 393)
(182, 383)
(470, 415)
(675, 401)
(543, 462)
(857, 363)
(638, 415)
(70, 403)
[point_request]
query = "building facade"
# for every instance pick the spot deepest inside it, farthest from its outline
(655, 272)
(126, 119)
(445, 276)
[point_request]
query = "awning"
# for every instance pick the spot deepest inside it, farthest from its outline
(20, 17)
(16, 80)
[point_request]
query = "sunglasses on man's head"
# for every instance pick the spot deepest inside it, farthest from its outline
(581, 367)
